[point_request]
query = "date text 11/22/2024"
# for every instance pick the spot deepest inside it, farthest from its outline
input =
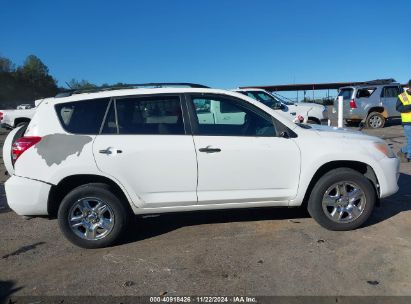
(202, 299)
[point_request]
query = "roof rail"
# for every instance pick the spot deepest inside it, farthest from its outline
(130, 86)
(380, 81)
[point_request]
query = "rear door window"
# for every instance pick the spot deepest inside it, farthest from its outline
(346, 93)
(365, 92)
(82, 117)
(146, 115)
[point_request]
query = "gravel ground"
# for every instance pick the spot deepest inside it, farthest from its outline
(269, 251)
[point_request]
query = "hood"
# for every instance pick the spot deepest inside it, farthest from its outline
(307, 107)
(334, 132)
(309, 104)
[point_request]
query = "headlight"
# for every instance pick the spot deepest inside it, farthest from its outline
(384, 149)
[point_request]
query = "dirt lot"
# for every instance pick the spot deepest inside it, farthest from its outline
(249, 252)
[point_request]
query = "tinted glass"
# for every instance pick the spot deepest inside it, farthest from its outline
(82, 117)
(150, 115)
(346, 93)
(110, 126)
(241, 120)
(265, 98)
(391, 92)
(365, 92)
(203, 106)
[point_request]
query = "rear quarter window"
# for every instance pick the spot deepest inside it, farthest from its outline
(82, 117)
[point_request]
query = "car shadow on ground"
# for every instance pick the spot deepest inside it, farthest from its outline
(3, 201)
(395, 204)
(146, 228)
(7, 288)
(393, 122)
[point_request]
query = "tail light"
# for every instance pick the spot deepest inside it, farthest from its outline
(1, 116)
(22, 144)
(353, 105)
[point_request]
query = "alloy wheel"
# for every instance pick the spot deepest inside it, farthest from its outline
(375, 122)
(91, 218)
(344, 202)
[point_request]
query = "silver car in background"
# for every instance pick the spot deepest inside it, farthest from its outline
(372, 102)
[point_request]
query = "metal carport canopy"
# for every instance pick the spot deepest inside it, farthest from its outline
(307, 86)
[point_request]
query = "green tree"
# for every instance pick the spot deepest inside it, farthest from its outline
(25, 84)
(6, 66)
(80, 85)
(33, 67)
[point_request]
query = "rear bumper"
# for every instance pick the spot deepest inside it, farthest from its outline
(349, 114)
(388, 175)
(26, 196)
(354, 114)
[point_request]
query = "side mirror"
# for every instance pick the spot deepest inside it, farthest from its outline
(284, 134)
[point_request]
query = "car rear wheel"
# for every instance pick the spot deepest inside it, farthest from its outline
(375, 120)
(343, 199)
(91, 216)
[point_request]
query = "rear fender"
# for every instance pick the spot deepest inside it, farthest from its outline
(10, 139)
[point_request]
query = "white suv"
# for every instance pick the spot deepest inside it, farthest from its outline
(310, 112)
(94, 159)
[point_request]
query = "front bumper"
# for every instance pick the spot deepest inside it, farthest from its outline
(27, 196)
(388, 175)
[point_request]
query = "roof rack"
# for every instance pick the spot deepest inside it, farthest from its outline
(130, 86)
(380, 81)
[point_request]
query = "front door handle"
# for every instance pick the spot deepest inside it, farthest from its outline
(208, 149)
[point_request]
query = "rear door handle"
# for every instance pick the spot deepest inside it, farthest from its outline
(106, 151)
(109, 151)
(208, 149)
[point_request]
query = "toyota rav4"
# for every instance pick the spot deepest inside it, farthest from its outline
(95, 159)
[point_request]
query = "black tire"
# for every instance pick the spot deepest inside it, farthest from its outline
(315, 203)
(313, 121)
(352, 123)
(102, 192)
(375, 120)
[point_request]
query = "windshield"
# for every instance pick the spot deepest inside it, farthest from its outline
(265, 98)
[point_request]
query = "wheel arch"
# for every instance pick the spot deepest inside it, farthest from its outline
(20, 120)
(358, 166)
(59, 191)
(314, 119)
(378, 109)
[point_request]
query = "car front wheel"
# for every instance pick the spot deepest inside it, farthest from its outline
(342, 199)
(91, 216)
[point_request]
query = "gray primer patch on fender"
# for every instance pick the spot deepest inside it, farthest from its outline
(55, 148)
